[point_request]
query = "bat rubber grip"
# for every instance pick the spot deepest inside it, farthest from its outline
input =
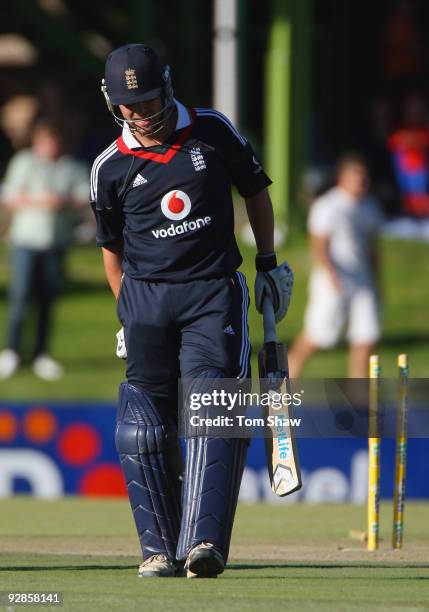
(269, 319)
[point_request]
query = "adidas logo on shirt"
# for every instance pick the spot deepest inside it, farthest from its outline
(139, 180)
(228, 330)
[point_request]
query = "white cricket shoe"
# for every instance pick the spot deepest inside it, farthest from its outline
(204, 561)
(9, 363)
(47, 368)
(157, 566)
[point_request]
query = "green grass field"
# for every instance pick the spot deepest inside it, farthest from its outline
(283, 557)
(86, 322)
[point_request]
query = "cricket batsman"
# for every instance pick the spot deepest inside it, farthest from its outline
(161, 195)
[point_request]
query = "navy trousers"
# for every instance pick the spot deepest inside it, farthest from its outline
(177, 330)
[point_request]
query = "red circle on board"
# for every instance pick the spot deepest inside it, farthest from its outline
(105, 479)
(79, 444)
(40, 425)
(8, 426)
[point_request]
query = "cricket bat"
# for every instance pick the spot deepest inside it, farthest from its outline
(281, 450)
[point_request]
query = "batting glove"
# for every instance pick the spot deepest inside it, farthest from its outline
(121, 349)
(274, 282)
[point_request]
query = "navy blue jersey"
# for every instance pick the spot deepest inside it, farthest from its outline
(171, 204)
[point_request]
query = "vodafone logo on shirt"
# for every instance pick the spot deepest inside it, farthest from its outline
(176, 205)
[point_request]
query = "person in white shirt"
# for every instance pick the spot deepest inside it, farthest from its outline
(344, 283)
(40, 189)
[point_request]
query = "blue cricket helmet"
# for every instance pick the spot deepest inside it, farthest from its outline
(134, 73)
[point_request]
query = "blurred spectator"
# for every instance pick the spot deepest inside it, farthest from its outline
(409, 147)
(41, 187)
(343, 225)
(16, 118)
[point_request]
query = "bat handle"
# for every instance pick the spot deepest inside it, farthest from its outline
(269, 319)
